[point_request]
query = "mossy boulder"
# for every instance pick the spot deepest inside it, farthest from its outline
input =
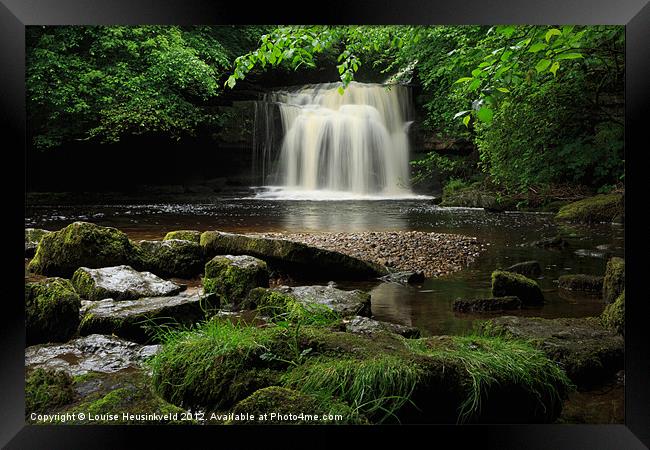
(472, 197)
(184, 235)
(135, 320)
(32, 237)
(588, 352)
(530, 269)
(120, 283)
(297, 259)
(506, 284)
(600, 208)
(47, 390)
(613, 317)
(581, 282)
(170, 258)
(614, 281)
(370, 327)
(81, 244)
(486, 304)
(233, 277)
(51, 311)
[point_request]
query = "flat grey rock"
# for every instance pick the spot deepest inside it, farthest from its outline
(367, 326)
(346, 303)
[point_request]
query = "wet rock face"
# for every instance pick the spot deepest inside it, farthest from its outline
(293, 257)
(120, 283)
(587, 351)
(94, 353)
(486, 304)
(614, 281)
(81, 244)
(32, 237)
(233, 277)
(345, 303)
(51, 311)
(367, 326)
(530, 269)
(512, 284)
(581, 282)
(129, 319)
(170, 258)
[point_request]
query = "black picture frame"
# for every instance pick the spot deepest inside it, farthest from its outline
(634, 14)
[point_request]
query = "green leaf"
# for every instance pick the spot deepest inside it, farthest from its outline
(341, 90)
(466, 120)
(542, 65)
(476, 72)
(485, 115)
(569, 56)
(461, 113)
(537, 47)
(463, 80)
(231, 82)
(552, 32)
(474, 85)
(554, 67)
(502, 89)
(506, 31)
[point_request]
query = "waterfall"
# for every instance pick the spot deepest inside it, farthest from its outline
(353, 145)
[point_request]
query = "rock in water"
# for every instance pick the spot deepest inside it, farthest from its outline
(486, 304)
(233, 277)
(294, 257)
(171, 258)
(120, 283)
(51, 311)
(530, 269)
(614, 281)
(600, 208)
(513, 284)
(32, 237)
(130, 319)
(81, 244)
(581, 282)
(367, 326)
(184, 235)
(404, 277)
(613, 317)
(556, 242)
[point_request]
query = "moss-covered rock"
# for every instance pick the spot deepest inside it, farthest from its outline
(299, 260)
(530, 269)
(120, 283)
(613, 317)
(233, 277)
(170, 258)
(370, 327)
(81, 244)
(47, 390)
(184, 235)
(51, 311)
(472, 197)
(32, 237)
(600, 208)
(486, 304)
(513, 284)
(614, 281)
(581, 282)
(276, 405)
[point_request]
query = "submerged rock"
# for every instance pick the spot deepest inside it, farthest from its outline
(585, 252)
(184, 235)
(404, 277)
(614, 281)
(81, 244)
(556, 243)
(530, 269)
(130, 319)
(486, 304)
(233, 277)
(581, 282)
(120, 283)
(294, 257)
(365, 325)
(32, 237)
(513, 284)
(94, 353)
(600, 208)
(613, 317)
(588, 352)
(51, 311)
(171, 258)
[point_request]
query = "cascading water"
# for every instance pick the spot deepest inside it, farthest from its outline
(353, 145)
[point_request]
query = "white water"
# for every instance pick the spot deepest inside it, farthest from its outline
(343, 147)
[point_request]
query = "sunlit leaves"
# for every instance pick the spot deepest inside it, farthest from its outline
(550, 33)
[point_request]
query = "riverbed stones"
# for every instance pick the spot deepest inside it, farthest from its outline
(120, 283)
(233, 277)
(94, 353)
(486, 304)
(81, 244)
(32, 237)
(600, 208)
(370, 327)
(530, 269)
(277, 300)
(171, 258)
(581, 282)
(185, 235)
(513, 284)
(51, 311)
(587, 351)
(295, 258)
(613, 317)
(614, 281)
(132, 319)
